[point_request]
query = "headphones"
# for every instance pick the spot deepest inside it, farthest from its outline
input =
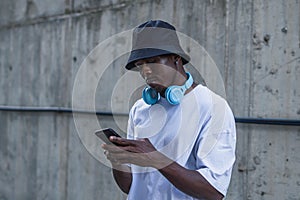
(173, 94)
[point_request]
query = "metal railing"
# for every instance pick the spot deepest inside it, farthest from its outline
(266, 121)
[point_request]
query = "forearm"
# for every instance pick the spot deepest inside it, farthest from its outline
(143, 154)
(190, 182)
(123, 177)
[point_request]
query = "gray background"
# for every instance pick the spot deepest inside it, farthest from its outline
(255, 44)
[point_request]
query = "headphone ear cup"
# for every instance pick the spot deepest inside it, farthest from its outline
(150, 95)
(174, 94)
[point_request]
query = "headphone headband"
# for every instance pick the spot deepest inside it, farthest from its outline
(189, 82)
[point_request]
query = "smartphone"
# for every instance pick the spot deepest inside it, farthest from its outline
(104, 135)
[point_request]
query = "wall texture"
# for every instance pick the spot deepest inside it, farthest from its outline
(255, 44)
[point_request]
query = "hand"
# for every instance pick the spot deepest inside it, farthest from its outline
(139, 152)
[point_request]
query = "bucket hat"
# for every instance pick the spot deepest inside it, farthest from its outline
(154, 38)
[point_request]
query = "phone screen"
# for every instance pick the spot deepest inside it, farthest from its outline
(104, 135)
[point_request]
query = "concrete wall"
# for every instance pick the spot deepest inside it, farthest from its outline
(255, 44)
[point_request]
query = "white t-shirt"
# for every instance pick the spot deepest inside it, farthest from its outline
(199, 134)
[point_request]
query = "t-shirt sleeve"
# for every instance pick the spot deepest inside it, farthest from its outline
(130, 124)
(130, 128)
(216, 153)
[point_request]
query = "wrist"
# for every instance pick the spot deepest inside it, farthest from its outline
(119, 167)
(161, 161)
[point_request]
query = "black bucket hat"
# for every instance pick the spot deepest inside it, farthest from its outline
(154, 38)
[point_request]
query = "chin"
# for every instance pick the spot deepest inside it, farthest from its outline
(159, 88)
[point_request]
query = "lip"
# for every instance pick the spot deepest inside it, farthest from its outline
(151, 80)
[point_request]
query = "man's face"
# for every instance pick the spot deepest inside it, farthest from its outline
(159, 72)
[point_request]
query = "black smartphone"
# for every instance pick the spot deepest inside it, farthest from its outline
(104, 135)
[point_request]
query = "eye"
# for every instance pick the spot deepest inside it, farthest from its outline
(138, 64)
(151, 60)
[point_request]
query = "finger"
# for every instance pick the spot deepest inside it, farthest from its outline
(105, 152)
(114, 148)
(132, 149)
(110, 147)
(121, 141)
(113, 160)
(120, 158)
(118, 149)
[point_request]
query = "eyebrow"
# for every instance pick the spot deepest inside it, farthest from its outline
(147, 59)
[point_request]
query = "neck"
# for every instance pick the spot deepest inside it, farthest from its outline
(191, 88)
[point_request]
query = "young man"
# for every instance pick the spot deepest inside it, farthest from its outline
(181, 136)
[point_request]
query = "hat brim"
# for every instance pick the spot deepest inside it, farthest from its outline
(144, 53)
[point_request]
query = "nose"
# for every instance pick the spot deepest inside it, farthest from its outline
(145, 70)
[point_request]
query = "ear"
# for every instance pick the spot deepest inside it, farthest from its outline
(177, 59)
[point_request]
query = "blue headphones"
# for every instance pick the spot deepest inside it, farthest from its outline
(173, 94)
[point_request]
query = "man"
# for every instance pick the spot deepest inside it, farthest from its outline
(181, 136)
